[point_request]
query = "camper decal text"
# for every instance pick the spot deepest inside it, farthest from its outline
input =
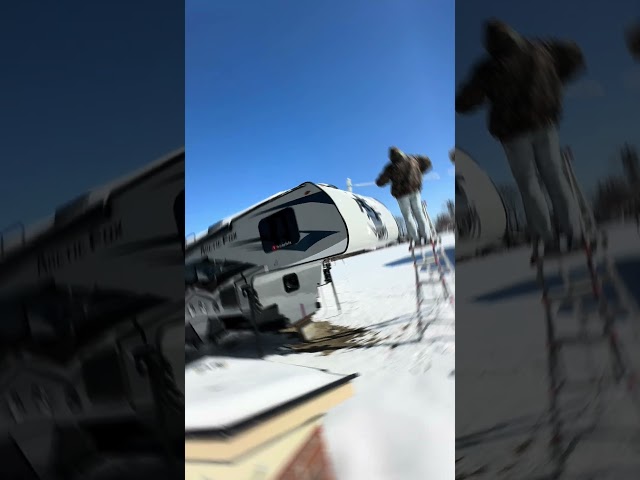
(218, 242)
(282, 245)
(92, 241)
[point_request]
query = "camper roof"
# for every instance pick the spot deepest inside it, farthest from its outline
(195, 238)
(17, 238)
(225, 222)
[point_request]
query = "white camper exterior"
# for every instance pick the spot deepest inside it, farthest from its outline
(305, 224)
(370, 224)
(113, 255)
(133, 225)
(481, 218)
(277, 247)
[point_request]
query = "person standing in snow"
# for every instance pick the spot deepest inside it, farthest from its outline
(522, 80)
(405, 173)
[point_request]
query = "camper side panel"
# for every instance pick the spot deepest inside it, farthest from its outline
(293, 290)
(141, 233)
(389, 221)
(480, 213)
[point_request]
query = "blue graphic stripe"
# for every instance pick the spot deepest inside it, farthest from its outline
(310, 240)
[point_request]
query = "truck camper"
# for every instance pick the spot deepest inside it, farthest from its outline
(277, 249)
(91, 307)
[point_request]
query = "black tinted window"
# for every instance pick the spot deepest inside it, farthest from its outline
(279, 230)
(178, 214)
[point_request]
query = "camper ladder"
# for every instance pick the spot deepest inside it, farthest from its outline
(575, 295)
(431, 269)
(599, 280)
(439, 254)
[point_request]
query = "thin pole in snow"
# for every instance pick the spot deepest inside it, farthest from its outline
(329, 279)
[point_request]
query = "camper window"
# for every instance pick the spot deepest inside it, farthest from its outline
(279, 230)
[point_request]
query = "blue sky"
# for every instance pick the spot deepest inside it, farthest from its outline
(88, 92)
(282, 92)
(601, 108)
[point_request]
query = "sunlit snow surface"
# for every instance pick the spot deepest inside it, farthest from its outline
(502, 408)
(401, 422)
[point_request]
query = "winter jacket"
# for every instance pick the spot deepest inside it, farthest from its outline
(521, 80)
(405, 173)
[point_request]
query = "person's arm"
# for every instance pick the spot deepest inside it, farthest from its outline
(383, 178)
(424, 163)
(567, 57)
(471, 94)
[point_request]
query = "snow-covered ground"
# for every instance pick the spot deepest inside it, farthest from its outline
(502, 403)
(401, 422)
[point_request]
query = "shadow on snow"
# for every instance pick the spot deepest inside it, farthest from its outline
(450, 252)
